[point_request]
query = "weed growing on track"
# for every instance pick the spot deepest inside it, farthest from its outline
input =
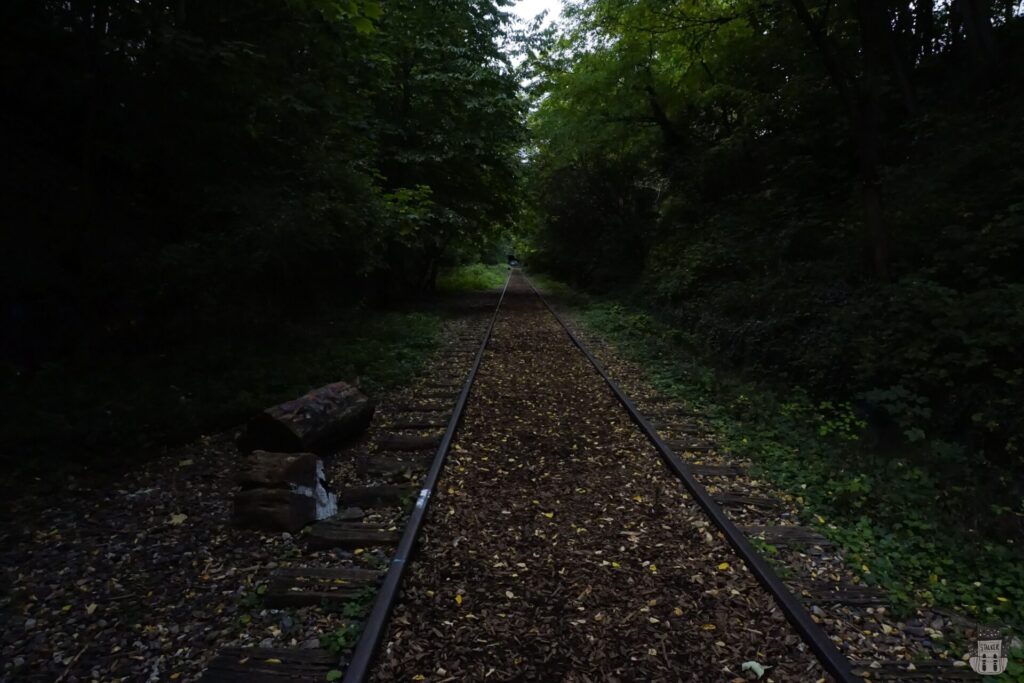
(896, 521)
(340, 639)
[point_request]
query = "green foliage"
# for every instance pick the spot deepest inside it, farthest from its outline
(220, 164)
(340, 639)
(359, 606)
(99, 411)
(472, 278)
(901, 525)
(192, 181)
(707, 161)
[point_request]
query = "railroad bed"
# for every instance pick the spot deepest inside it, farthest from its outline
(553, 542)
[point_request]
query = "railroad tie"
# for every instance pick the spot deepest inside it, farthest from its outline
(302, 587)
(376, 496)
(730, 499)
(787, 535)
(269, 665)
(827, 593)
(409, 442)
(702, 470)
(334, 533)
(937, 670)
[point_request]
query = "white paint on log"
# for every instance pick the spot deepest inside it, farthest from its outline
(326, 503)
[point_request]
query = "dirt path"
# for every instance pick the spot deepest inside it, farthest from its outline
(560, 548)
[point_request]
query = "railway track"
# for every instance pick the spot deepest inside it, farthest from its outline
(553, 545)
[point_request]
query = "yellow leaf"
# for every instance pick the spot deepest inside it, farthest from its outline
(177, 519)
(91, 608)
(709, 627)
(358, 551)
(458, 599)
(653, 568)
(616, 565)
(1001, 599)
(678, 612)
(723, 566)
(549, 515)
(273, 660)
(176, 675)
(419, 677)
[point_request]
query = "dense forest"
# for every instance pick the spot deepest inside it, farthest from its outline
(803, 219)
(182, 179)
(221, 163)
(825, 195)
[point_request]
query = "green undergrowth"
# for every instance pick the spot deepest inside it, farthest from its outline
(896, 520)
(105, 412)
(472, 278)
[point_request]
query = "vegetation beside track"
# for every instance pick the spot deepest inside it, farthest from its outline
(472, 277)
(106, 412)
(897, 521)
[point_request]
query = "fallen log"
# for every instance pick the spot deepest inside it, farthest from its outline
(317, 422)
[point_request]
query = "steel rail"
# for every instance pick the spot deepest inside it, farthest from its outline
(366, 648)
(831, 659)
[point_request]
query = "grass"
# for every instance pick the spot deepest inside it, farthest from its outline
(472, 278)
(883, 510)
(104, 413)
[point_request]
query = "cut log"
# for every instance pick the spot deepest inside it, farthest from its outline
(279, 490)
(318, 421)
(278, 470)
(274, 510)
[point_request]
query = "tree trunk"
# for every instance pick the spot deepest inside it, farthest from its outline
(317, 422)
(874, 30)
(924, 28)
(862, 100)
(981, 42)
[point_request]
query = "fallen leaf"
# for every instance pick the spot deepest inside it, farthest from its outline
(723, 566)
(756, 667)
(91, 608)
(458, 599)
(177, 519)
